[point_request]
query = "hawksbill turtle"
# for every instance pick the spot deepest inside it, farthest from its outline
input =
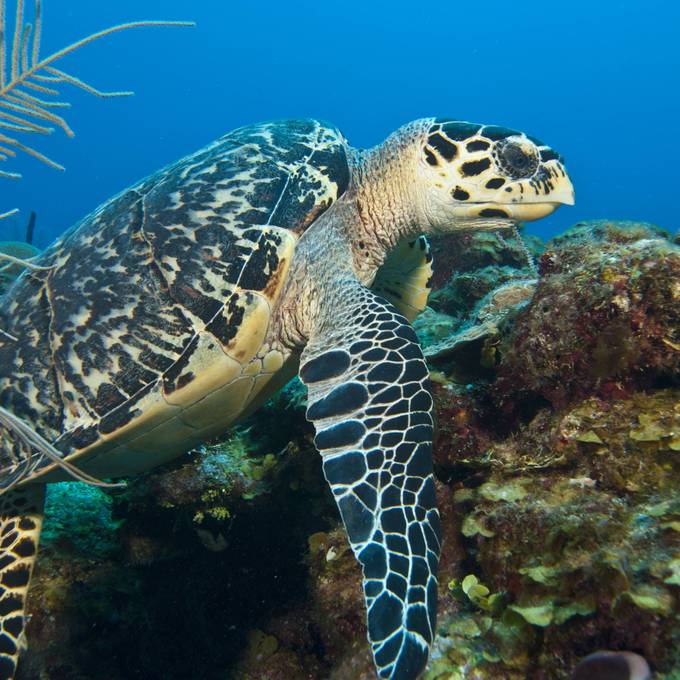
(181, 304)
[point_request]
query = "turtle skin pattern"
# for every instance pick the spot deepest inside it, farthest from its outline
(21, 515)
(167, 265)
(370, 402)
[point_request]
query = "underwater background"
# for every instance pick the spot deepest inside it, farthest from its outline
(598, 81)
(555, 363)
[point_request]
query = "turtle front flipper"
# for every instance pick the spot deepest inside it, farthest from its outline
(21, 515)
(372, 410)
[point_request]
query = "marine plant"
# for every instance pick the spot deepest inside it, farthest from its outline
(29, 84)
(29, 99)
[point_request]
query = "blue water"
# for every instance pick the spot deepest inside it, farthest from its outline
(596, 80)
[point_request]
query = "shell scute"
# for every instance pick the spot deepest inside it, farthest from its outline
(170, 282)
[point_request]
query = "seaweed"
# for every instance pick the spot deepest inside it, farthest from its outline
(29, 84)
(29, 101)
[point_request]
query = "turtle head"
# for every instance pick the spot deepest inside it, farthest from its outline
(484, 176)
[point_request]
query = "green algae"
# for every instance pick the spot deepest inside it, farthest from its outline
(78, 518)
(587, 540)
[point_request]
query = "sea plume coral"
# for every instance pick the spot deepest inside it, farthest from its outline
(29, 104)
(29, 84)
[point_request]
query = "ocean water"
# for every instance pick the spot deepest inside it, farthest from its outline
(597, 81)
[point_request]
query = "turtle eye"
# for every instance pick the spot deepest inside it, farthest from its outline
(517, 159)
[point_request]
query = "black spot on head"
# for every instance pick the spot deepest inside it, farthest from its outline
(495, 183)
(447, 149)
(492, 212)
(459, 130)
(496, 132)
(478, 145)
(390, 439)
(375, 459)
(391, 497)
(460, 194)
(430, 157)
(550, 155)
(370, 441)
(374, 355)
(358, 347)
(472, 168)
(373, 588)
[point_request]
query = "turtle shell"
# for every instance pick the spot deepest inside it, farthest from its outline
(147, 334)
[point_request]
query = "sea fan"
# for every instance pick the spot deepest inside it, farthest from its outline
(29, 94)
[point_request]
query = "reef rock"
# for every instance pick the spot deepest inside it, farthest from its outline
(557, 437)
(605, 318)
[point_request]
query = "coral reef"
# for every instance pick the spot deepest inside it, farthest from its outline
(470, 265)
(556, 449)
(571, 543)
(605, 318)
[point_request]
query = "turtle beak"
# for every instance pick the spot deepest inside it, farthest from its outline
(564, 190)
(551, 184)
(541, 194)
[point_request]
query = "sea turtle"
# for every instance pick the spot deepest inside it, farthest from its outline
(178, 306)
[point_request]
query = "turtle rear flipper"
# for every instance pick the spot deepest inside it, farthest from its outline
(370, 403)
(21, 515)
